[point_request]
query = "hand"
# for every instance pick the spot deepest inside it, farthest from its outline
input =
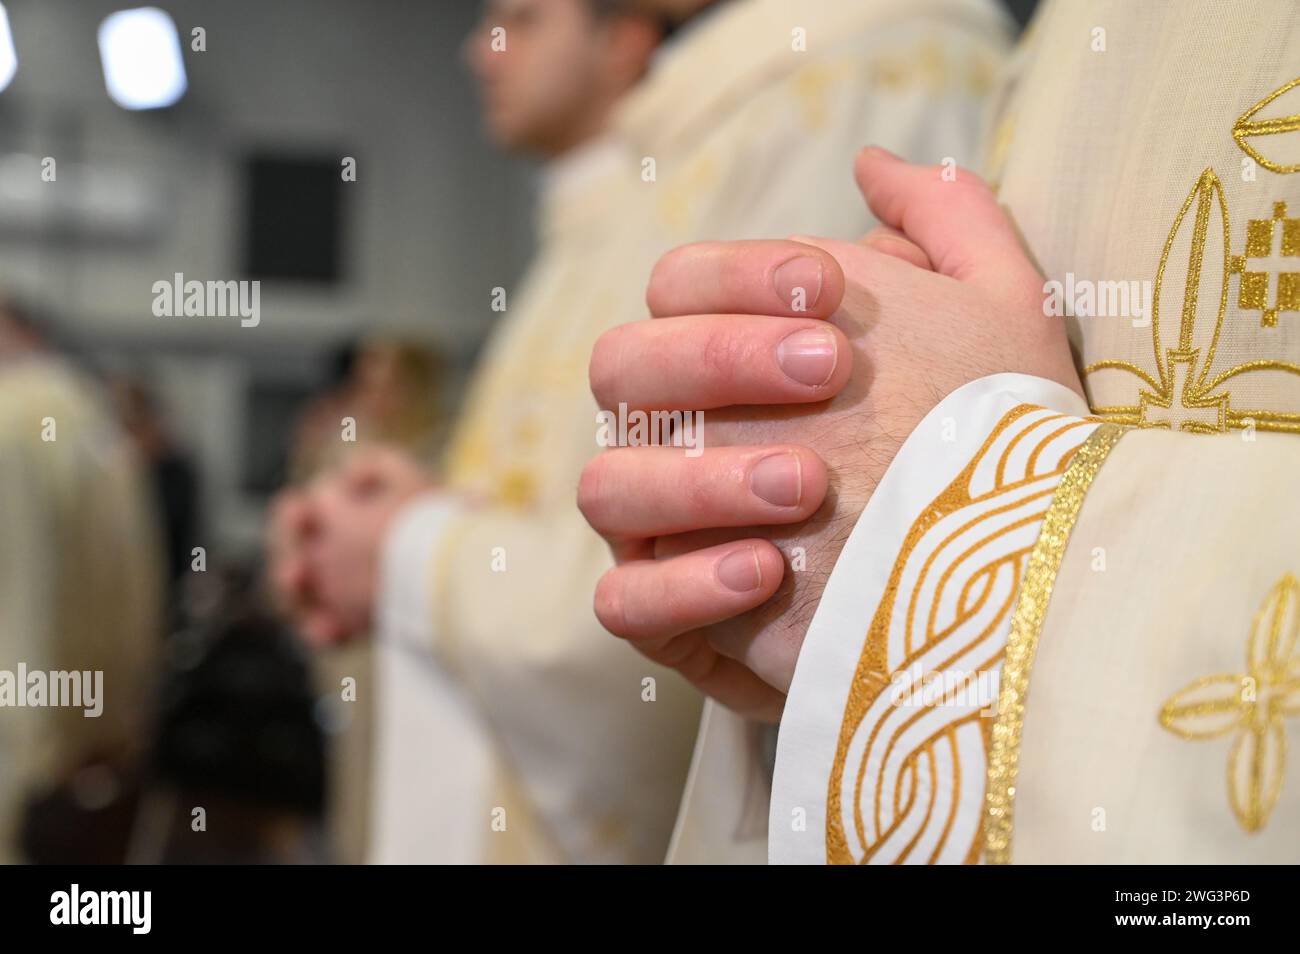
(326, 541)
(940, 295)
(289, 529)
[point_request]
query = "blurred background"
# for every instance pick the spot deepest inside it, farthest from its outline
(379, 288)
(380, 285)
(240, 178)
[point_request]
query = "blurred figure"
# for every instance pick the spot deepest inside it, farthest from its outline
(490, 574)
(599, 780)
(80, 574)
(392, 389)
(173, 476)
(550, 74)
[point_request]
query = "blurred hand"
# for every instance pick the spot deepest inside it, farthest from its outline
(938, 296)
(289, 529)
(327, 539)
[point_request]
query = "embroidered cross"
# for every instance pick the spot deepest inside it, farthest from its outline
(1183, 407)
(1252, 706)
(1253, 293)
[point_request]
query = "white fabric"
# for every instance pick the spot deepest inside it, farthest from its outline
(428, 736)
(405, 575)
(432, 765)
(80, 577)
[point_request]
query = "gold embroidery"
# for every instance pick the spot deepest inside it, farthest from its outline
(814, 87)
(1022, 644)
(681, 203)
(1252, 295)
(1247, 127)
(1253, 705)
(925, 66)
(1183, 398)
(1181, 395)
(900, 798)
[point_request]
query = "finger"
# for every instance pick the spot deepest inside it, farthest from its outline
(319, 627)
(638, 492)
(291, 519)
(711, 361)
(956, 221)
(726, 680)
(890, 241)
(651, 601)
(366, 473)
(745, 278)
(291, 524)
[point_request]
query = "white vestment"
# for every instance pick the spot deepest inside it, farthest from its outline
(1072, 634)
(80, 581)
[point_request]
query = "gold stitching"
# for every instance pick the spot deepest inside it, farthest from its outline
(1026, 625)
(1253, 704)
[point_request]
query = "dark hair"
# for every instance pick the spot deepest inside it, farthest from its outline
(610, 8)
(26, 316)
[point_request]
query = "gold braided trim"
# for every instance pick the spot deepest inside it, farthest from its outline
(1022, 643)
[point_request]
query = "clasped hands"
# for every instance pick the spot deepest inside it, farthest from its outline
(813, 360)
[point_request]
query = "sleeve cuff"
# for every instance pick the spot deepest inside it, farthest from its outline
(406, 614)
(870, 764)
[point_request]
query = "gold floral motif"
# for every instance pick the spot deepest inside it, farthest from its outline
(1248, 128)
(1253, 705)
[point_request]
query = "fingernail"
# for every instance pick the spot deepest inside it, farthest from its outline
(739, 571)
(778, 479)
(799, 282)
(808, 356)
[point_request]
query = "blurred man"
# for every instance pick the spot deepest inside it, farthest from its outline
(550, 74)
(80, 576)
(489, 570)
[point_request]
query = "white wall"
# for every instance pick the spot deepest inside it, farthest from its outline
(435, 218)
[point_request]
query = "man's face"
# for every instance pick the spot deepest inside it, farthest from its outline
(542, 70)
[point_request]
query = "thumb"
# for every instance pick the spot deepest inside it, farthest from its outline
(957, 221)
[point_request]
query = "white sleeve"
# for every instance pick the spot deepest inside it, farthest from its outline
(902, 602)
(423, 721)
(405, 602)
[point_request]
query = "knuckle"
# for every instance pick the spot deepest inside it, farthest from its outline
(609, 605)
(592, 483)
(603, 370)
(662, 273)
(719, 352)
(696, 489)
(972, 182)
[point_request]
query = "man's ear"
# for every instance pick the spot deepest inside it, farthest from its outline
(632, 43)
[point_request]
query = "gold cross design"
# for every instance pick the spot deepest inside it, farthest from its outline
(1252, 705)
(1253, 290)
(1185, 408)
